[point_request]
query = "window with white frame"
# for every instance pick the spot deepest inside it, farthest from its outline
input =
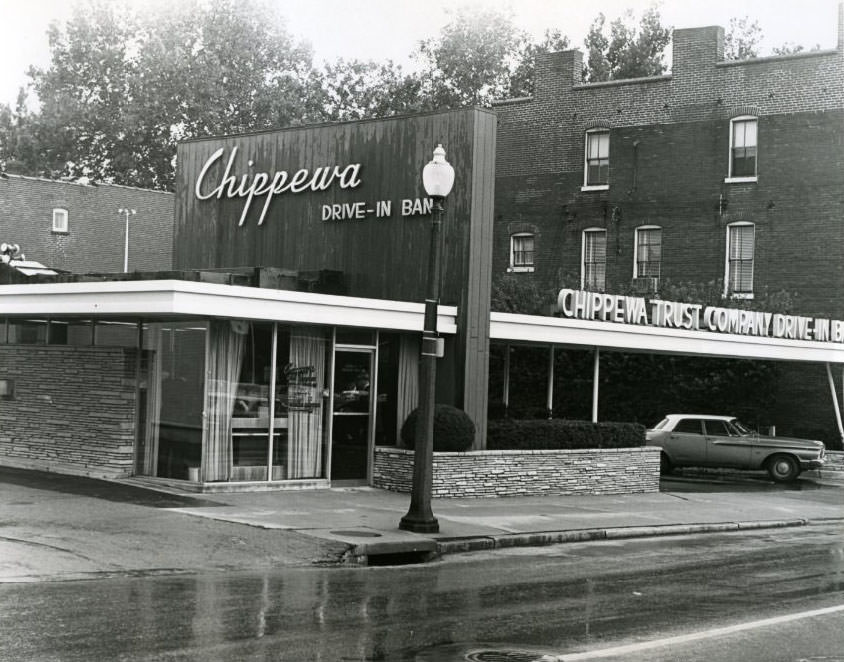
(738, 278)
(648, 251)
(521, 251)
(597, 166)
(60, 220)
(743, 147)
(594, 265)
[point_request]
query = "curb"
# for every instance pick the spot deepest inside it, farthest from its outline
(481, 543)
(421, 551)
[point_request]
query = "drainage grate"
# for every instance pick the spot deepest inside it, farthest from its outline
(506, 656)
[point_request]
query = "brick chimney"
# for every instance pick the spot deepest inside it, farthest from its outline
(555, 73)
(696, 48)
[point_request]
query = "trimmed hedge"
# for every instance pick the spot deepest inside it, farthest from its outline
(454, 430)
(557, 434)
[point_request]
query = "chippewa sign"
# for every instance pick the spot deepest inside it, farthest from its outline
(601, 307)
(270, 184)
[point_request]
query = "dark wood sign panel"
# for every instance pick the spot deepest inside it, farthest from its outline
(372, 232)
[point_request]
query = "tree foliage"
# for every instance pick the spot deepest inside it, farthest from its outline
(122, 88)
(628, 49)
(742, 39)
(473, 60)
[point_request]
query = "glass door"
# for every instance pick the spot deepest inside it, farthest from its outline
(351, 430)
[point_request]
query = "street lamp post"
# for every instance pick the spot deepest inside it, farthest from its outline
(127, 212)
(437, 178)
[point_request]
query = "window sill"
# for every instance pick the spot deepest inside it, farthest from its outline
(740, 180)
(738, 295)
(596, 187)
(520, 270)
(54, 231)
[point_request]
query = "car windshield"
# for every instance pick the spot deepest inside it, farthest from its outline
(660, 425)
(742, 429)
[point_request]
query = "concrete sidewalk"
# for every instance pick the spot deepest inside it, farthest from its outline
(366, 519)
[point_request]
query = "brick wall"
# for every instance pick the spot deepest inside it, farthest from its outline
(73, 409)
(95, 241)
(669, 145)
(524, 473)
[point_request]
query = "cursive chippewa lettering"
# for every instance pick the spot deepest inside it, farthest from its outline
(264, 183)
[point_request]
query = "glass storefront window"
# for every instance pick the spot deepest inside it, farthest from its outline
(353, 336)
(27, 332)
(254, 423)
(172, 384)
(116, 334)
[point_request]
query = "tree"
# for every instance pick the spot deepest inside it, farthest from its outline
(121, 90)
(742, 39)
(353, 90)
(473, 60)
(630, 50)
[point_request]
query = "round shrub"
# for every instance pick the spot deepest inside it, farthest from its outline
(454, 430)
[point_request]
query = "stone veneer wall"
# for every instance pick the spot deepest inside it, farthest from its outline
(834, 461)
(524, 473)
(73, 409)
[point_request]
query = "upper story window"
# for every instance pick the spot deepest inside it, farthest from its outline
(738, 278)
(593, 273)
(521, 251)
(743, 146)
(60, 220)
(648, 251)
(596, 174)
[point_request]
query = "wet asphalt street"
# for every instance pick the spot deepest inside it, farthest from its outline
(556, 600)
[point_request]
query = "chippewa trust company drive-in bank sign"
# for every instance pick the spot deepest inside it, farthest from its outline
(595, 306)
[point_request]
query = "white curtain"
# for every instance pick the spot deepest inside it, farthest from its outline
(306, 381)
(408, 396)
(152, 333)
(226, 349)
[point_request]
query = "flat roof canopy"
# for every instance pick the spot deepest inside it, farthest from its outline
(536, 329)
(177, 298)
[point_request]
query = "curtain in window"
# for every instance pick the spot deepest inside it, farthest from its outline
(226, 349)
(648, 252)
(153, 403)
(597, 158)
(744, 148)
(306, 381)
(408, 396)
(522, 250)
(594, 260)
(741, 258)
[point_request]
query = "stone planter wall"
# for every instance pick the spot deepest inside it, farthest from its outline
(834, 461)
(524, 473)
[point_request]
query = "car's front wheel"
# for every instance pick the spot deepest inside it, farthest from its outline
(783, 468)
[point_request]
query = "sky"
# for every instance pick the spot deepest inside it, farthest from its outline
(382, 29)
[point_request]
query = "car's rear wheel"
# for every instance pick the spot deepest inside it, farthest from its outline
(664, 464)
(783, 468)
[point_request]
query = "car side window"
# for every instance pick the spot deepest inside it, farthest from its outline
(688, 425)
(717, 429)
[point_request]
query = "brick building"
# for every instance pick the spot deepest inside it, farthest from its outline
(722, 172)
(718, 171)
(78, 227)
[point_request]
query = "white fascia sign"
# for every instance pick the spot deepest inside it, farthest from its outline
(597, 306)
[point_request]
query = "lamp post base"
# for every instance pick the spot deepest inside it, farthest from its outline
(419, 524)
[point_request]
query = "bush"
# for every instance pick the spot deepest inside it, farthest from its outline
(454, 431)
(556, 434)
